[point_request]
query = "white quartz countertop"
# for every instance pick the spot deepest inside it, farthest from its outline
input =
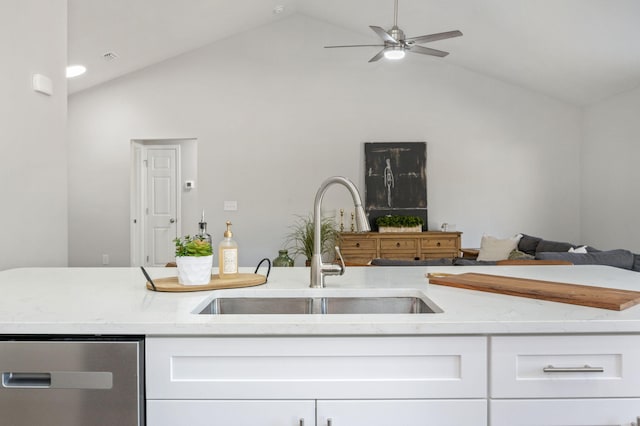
(116, 301)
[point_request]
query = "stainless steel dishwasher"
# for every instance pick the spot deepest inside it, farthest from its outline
(71, 381)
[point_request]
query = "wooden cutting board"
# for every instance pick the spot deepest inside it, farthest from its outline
(595, 297)
(216, 283)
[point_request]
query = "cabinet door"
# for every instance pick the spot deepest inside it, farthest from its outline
(230, 413)
(402, 412)
(564, 412)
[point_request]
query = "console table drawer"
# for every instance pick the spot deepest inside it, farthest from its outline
(360, 244)
(565, 366)
(360, 248)
(439, 254)
(398, 244)
(439, 243)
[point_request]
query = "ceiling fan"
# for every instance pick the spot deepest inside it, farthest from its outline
(396, 44)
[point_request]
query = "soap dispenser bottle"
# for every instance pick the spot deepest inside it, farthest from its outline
(228, 255)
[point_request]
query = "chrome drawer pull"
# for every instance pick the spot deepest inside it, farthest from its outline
(585, 369)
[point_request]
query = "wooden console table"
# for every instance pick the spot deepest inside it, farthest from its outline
(361, 248)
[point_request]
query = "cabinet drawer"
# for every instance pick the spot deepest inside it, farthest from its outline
(565, 366)
(413, 412)
(439, 254)
(230, 412)
(569, 412)
(361, 244)
(398, 244)
(439, 243)
(316, 367)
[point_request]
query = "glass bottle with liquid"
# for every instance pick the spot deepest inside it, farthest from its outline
(228, 255)
(202, 231)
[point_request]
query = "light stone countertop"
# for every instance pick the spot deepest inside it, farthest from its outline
(115, 301)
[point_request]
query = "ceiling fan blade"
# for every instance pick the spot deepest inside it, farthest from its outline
(427, 51)
(383, 34)
(434, 37)
(356, 45)
(379, 55)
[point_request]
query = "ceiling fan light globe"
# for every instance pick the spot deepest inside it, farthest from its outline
(394, 54)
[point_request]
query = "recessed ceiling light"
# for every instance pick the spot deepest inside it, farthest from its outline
(75, 70)
(278, 9)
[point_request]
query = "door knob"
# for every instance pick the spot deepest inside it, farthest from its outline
(172, 220)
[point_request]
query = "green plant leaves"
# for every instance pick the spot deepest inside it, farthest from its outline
(192, 246)
(399, 221)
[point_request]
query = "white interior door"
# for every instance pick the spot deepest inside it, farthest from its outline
(161, 225)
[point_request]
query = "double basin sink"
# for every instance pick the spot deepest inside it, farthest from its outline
(320, 302)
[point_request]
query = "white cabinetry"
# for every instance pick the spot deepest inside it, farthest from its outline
(564, 380)
(353, 380)
(564, 412)
(534, 380)
(230, 413)
(451, 412)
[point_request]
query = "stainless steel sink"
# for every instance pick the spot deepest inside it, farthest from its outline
(323, 302)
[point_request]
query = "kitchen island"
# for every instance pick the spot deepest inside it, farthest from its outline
(115, 301)
(487, 359)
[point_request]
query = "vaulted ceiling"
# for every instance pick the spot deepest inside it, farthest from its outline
(579, 51)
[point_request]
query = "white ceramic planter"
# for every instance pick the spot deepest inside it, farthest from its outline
(194, 270)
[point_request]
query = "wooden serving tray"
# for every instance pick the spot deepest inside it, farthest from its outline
(216, 283)
(575, 294)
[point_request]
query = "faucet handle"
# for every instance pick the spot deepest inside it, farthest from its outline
(342, 265)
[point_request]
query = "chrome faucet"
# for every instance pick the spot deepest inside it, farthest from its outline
(319, 269)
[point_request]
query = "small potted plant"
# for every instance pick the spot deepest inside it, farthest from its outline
(194, 259)
(396, 223)
(300, 240)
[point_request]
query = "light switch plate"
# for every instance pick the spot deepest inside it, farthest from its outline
(230, 206)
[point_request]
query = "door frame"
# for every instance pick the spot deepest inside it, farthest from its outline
(138, 195)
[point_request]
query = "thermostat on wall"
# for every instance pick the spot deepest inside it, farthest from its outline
(189, 184)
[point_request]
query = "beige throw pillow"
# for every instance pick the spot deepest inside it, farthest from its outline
(581, 249)
(492, 248)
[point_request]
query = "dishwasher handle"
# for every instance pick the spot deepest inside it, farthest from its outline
(58, 380)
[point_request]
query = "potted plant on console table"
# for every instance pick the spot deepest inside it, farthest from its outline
(300, 239)
(194, 259)
(396, 223)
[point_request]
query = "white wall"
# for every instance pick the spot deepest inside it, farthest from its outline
(33, 158)
(610, 176)
(275, 114)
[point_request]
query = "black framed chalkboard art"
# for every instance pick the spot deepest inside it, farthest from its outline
(395, 176)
